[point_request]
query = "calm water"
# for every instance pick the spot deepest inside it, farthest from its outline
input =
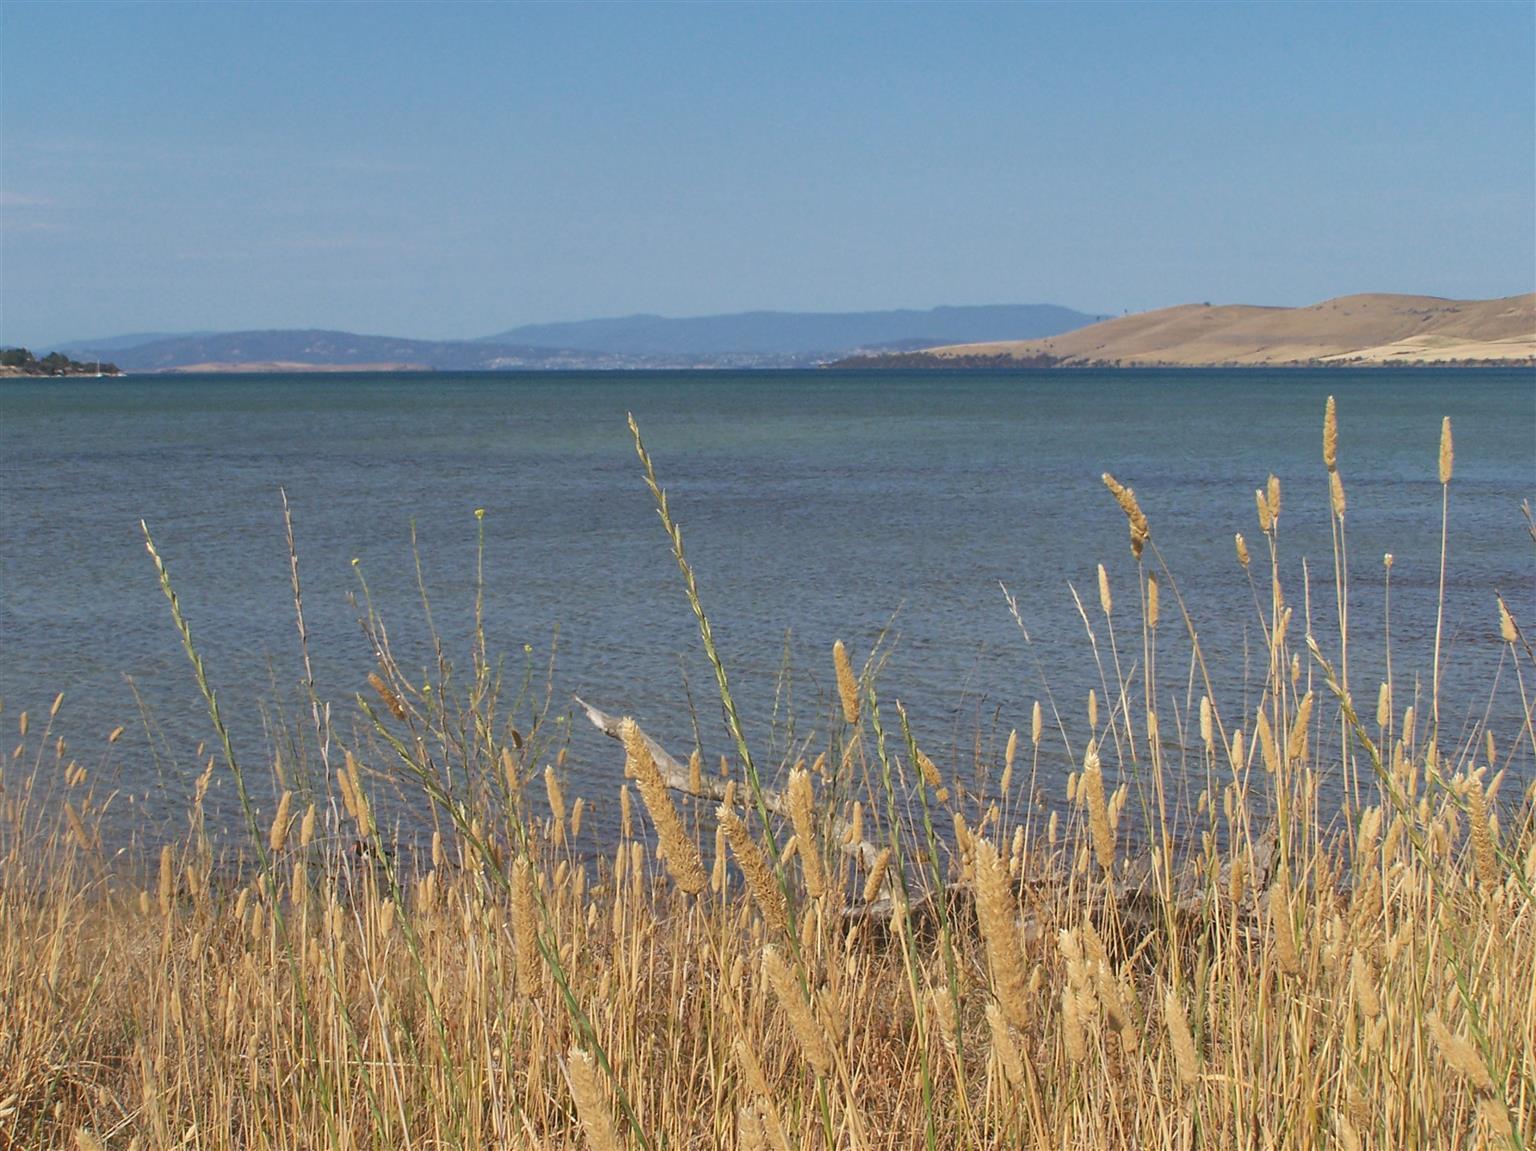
(815, 506)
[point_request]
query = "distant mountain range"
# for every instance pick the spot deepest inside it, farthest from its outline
(742, 340)
(1374, 328)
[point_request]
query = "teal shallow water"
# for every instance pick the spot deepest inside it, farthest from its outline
(815, 506)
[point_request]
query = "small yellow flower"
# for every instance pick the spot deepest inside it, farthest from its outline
(479, 513)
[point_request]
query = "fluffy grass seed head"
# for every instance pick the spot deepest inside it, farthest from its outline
(682, 854)
(1185, 1055)
(1507, 630)
(759, 876)
(1141, 531)
(931, 776)
(1447, 451)
(592, 1105)
(1330, 435)
(802, 1020)
(1242, 549)
(1092, 787)
(1479, 829)
(847, 683)
(1459, 1054)
(1266, 521)
(1106, 601)
(525, 929)
(876, 877)
(278, 837)
(1005, 1049)
(996, 912)
(802, 812)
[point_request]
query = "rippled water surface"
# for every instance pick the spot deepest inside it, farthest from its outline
(815, 506)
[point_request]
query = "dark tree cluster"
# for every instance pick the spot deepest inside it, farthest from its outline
(53, 364)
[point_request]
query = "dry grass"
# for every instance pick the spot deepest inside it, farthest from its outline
(1328, 942)
(1376, 328)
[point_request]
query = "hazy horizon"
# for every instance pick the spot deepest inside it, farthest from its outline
(453, 171)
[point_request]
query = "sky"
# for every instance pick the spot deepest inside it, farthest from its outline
(449, 171)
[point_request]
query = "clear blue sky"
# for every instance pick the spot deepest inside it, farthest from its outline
(443, 170)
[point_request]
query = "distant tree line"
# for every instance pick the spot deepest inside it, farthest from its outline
(53, 364)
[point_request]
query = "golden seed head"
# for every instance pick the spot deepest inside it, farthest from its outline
(1105, 601)
(759, 875)
(1242, 549)
(1091, 786)
(1506, 623)
(1336, 493)
(931, 776)
(1386, 560)
(847, 683)
(1152, 602)
(525, 929)
(1011, 750)
(1004, 1048)
(1267, 743)
(1186, 1056)
(1266, 521)
(1364, 981)
(592, 1106)
(1460, 1054)
(1035, 724)
(1141, 532)
(996, 912)
(556, 796)
(387, 694)
(802, 1020)
(876, 878)
(1484, 850)
(1296, 743)
(277, 839)
(1447, 451)
(167, 879)
(1330, 436)
(1272, 497)
(1093, 710)
(682, 853)
(1206, 730)
(802, 811)
(1072, 1034)
(1384, 705)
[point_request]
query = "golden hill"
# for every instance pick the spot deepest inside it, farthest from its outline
(1372, 328)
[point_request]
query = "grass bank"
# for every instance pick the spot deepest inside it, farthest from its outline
(1302, 922)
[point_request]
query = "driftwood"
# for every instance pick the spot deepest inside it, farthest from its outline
(1136, 893)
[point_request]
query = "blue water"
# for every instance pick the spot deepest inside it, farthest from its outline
(815, 506)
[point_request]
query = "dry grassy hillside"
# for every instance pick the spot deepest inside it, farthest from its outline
(1374, 328)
